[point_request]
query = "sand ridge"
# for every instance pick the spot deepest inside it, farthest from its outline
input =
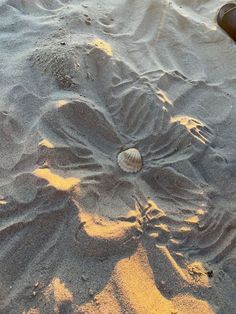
(80, 82)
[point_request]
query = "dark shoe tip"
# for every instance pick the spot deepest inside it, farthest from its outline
(226, 19)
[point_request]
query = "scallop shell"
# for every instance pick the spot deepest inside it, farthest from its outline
(130, 160)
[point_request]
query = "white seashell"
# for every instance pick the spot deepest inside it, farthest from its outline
(130, 160)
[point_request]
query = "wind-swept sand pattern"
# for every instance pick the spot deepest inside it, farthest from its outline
(81, 82)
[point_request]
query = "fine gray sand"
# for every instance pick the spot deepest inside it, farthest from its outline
(82, 81)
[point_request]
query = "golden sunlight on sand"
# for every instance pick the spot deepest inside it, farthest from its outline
(60, 292)
(117, 157)
(192, 125)
(104, 46)
(164, 97)
(46, 143)
(134, 282)
(55, 180)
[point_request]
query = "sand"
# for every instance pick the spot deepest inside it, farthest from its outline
(82, 81)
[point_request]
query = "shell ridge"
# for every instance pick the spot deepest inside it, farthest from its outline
(130, 160)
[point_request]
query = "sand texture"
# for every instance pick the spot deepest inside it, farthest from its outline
(82, 81)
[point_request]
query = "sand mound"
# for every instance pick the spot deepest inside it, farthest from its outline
(81, 82)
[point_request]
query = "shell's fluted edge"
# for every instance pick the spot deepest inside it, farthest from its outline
(130, 160)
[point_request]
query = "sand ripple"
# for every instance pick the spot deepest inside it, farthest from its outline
(82, 82)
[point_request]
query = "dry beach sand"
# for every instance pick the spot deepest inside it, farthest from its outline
(80, 82)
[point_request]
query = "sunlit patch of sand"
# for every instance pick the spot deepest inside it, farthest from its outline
(164, 227)
(105, 302)
(198, 273)
(100, 236)
(61, 103)
(59, 290)
(164, 97)
(192, 220)
(2, 200)
(98, 227)
(104, 46)
(58, 182)
(175, 241)
(200, 212)
(192, 125)
(170, 261)
(184, 229)
(135, 281)
(154, 208)
(186, 304)
(46, 143)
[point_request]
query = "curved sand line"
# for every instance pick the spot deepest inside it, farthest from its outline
(81, 82)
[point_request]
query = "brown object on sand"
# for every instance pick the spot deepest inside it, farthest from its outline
(227, 19)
